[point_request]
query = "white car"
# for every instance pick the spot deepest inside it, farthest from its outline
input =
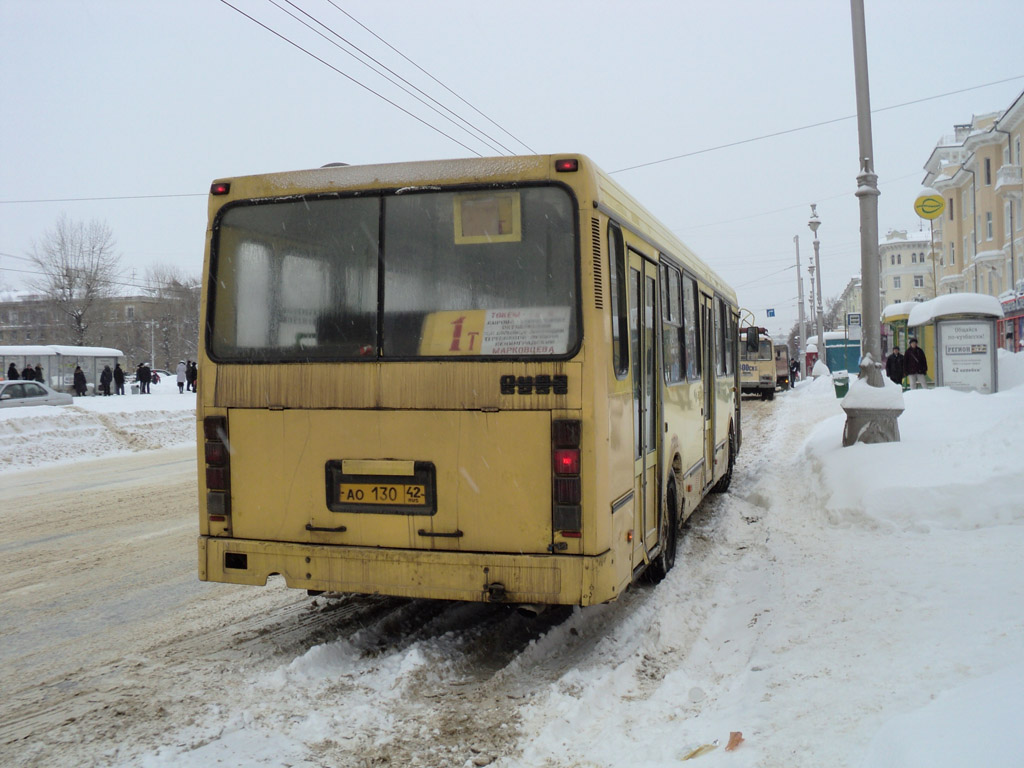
(15, 393)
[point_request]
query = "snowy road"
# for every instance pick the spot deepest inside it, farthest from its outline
(805, 610)
(109, 642)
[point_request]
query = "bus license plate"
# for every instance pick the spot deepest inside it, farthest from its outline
(382, 493)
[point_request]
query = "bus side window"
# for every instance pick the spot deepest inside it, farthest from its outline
(617, 279)
(672, 325)
(691, 327)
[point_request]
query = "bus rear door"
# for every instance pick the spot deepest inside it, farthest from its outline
(643, 290)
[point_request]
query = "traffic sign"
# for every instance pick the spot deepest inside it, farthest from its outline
(930, 206)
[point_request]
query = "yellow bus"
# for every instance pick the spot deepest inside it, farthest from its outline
(757, 363)
(479, 380)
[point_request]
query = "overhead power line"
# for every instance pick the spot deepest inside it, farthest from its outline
(365, 87)
(468, 127)
(811, 125)
(421, 69)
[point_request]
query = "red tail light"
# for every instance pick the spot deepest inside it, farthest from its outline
(566, 484)
(567, 461)
(218, 475)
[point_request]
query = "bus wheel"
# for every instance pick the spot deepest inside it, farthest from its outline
(723, 482)
(666, 558)
(769, 394)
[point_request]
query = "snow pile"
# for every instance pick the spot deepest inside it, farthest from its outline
(94, 427)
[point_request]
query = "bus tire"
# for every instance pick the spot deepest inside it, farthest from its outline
(769, 394)
(723, 482)
(666, 558)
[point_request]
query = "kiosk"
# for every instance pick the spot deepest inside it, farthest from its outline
(963, 327)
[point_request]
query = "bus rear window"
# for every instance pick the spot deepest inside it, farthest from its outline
(479, 273)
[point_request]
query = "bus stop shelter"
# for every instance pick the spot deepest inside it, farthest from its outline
(960, 334)
(58, 362)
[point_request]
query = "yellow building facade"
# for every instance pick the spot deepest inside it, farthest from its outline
(979, 239)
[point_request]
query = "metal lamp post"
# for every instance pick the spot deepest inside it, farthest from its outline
(814, 223)
(868, 423)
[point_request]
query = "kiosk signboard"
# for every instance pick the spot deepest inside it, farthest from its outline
(967, 355)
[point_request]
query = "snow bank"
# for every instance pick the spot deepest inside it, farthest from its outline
(94, 427)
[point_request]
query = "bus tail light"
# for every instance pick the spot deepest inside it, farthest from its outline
(567, 165)
(567, 461)
(218, 478)
(566, 484)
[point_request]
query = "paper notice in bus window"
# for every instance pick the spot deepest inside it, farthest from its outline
(487, 217)
(497, 332)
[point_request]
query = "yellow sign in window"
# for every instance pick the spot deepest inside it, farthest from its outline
(487, 217)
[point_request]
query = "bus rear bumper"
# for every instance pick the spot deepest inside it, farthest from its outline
(468, 576)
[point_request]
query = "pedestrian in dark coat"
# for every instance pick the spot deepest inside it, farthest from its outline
(191, 373)
(29, 374)
(39, 374)
(12, 372)
(80, 386)
(894, 366)
(915, 364)
(145, 376)
(118, 379)
(105, 378)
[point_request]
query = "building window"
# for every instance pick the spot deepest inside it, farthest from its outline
(963, 204)
(952, 254)
(129, 313)
(950, 201)
(988, 225)
(892, 259)
(988, 172)
(899, 258)
(1007, 215)
(896, 282)
(919, 281)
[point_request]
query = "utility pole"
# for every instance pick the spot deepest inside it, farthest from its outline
(801, 347)
(868, 423)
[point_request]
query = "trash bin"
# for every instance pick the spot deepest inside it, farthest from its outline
(135, 389)
(841, 381)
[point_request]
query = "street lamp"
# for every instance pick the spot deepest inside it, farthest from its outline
(814, 223)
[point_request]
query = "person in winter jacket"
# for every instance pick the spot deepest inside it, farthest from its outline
(119, 379)
(105, 378)
(12, 373)
(191, 373)
(915, 364)
(894, 366)
(29, 374)
(39, 374)
(80, 385)
(180, 373)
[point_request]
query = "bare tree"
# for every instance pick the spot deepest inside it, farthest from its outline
(178, 318)
(78, 268)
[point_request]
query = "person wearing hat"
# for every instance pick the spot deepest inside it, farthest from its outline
(894, 366)
(915, 365)
(181, 376)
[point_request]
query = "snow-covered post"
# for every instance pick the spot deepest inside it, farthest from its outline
(878, 422)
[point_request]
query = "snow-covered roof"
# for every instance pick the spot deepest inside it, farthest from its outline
(25, 349)
(60, 349)
(955, 304)
(899, 308)
(829, 336)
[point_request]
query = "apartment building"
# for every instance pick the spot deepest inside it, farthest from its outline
(907, 271)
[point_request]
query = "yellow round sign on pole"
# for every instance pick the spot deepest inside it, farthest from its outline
(929, 206)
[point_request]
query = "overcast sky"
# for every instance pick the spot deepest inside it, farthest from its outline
(149, 102)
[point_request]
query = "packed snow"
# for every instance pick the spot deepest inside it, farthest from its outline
(839, 606)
